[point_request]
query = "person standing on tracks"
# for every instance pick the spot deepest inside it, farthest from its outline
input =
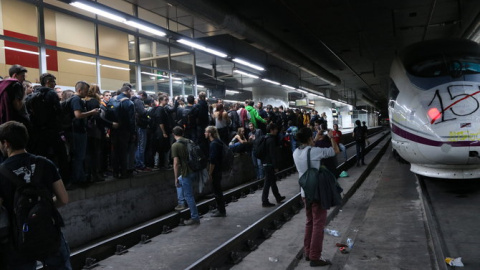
(43, 174)
(215, 170)
(184, 176)
(316, 215)
(270, 165)
(337, 136)
(359, 136)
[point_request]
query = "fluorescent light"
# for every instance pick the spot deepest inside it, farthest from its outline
(97, 11)
(245, 73)
(364, 110)
(114, 67)
(288, 86)
(20, 50)
(243, 62)
(177, 82)
(146, 28)
(200, 86)
(272, 82)
(153, 74)
(302, 91)
(81, 61)
(231, 92)
(201, 47)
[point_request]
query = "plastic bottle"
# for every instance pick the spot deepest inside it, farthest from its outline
(350, 243)
(332, 232)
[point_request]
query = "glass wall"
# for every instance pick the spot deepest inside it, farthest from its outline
(80, 48)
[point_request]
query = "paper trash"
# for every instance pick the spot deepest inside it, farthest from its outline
(454, 261)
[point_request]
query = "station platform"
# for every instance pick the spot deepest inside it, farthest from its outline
(384, 217)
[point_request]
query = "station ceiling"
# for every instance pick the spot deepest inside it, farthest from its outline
(342, 46)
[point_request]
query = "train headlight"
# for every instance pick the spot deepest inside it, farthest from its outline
(434, 114)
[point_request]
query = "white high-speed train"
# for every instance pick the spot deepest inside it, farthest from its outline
(434, 108)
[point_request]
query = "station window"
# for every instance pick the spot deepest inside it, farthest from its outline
(113, 43)
(72, 68)
(18, 53)
(68, 32)
(154, 54)
(19, 20)
(114, 74)
(155, 81)
(181, 61)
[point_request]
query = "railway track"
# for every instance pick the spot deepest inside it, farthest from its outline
(227, 253)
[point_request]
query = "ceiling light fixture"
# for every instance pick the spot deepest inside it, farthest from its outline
(201, 47)
(146, 28)
(246, 63)
(81, 61)
(232, 92)
(270, 81)
(245, 73)
(153, 74)
(115, 67)
(200, 86)
(103, 13)
(20, 50)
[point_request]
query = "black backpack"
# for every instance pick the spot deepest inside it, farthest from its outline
(38, 108)
(196, 158)
(227, 158)
(112, 112)
(186, 120)
(67, 114)
(35, 224)
(359, 134)
(260, 151)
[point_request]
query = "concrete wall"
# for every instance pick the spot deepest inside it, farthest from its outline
(109, 207)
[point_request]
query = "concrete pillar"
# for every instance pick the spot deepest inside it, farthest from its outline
(270, 94)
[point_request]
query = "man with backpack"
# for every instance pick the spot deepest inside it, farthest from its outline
(142, 121)
(202, 120)
(184, 176)
(11, 96)
(189, 119)
(359, 136)
(23, 177)
(270, 165)
(43, 106)
(124, 135)
(215, 170)
(254, 137)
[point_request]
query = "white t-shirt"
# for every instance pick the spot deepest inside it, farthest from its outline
(316, 154)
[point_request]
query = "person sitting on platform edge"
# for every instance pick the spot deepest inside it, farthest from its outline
(316, 215)
(215, 170)
(183, 175)
(13, 140)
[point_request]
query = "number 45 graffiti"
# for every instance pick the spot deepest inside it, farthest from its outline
(436, 113)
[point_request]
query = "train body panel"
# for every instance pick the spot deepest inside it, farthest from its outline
(434, 109)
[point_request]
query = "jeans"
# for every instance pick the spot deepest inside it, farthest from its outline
(58, 261)
(270, 181)
(181, 196)
(257, 164)
(141, 144)
(79, 150)
(313, 241)
(218, 192)
(186, 183)
(360, 145)
(343, 149)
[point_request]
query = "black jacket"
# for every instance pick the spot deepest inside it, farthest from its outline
(272, 146)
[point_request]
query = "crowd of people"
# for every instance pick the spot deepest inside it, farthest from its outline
(72, 129)
(88, 134)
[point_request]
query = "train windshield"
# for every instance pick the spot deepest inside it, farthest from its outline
(440, 67)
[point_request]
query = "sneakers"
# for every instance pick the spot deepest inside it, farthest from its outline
(268, 204)
(180, 207)
(321, 262)
(192, 222)
(280, 199)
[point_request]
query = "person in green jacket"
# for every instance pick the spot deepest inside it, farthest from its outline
(254, 117)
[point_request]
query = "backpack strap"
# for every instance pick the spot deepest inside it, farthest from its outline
(10, 176)
(308, 157)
